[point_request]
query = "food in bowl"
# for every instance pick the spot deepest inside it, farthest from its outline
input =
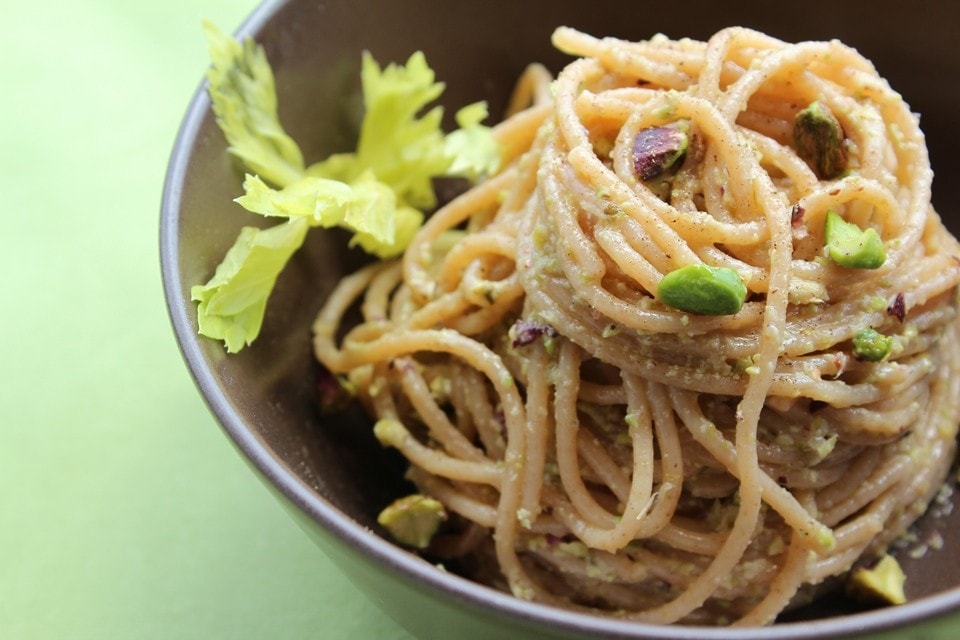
(686, 353)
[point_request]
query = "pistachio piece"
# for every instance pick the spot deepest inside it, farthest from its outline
(871, 345)
(413, 520)
(898, 308)
(657, 150)
(883, 584)
(850, 246)
(818, 138)
(334, 392)
(702, 289)
(523, 332)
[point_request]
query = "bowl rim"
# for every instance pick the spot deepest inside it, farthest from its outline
(407, 566)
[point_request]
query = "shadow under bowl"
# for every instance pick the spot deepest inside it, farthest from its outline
(330, 473)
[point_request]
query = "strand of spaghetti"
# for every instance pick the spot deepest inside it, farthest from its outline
(644, 513)
(567, 425)
(602, 393)
(508, 477)
(633, 265)
(609, 348)
(885, 477)
(598, 462)
(453, 399)
(857, 473)
(538, 425)
(816, 535)
(474, 510)
(585, 163)
(488, 316)
(376, 299)
(802, 178)
(688, 539)
(582, 265)
(783, 587)
(648, 68)
(370, 380)
(432, 415)
(748, 414)
(487, 278)
(532, 88)
(392, 432)
(791, 62)
(471, 248)
(861, 530)
(419, 252)
(515, 134)
(480, 410)
(330, 317)
(645, 398)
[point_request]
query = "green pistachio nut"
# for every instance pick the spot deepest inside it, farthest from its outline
(882, 584)
(871, 345)
(702, 289)
(850, 246)
(413, 520)
(818, 139)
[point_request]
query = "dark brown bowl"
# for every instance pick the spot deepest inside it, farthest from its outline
(330, 474)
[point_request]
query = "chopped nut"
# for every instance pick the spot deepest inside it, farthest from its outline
(898, 308)
(334, 392)
(796, 214)
(700, 288)
(871, 345)
(657, 150)
(850, 246)
(413, 520)
(818, 138)
(523, 332)
(883, 584)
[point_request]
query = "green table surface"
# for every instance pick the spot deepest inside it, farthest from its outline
(124, 512)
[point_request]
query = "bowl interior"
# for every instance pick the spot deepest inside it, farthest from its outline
(478, 49)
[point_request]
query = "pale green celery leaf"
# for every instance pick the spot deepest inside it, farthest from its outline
(232, 304)
(403, 150)
(379, 192)
(322, 201)
(372, 210)
(366, 206)
(338, 166)
(243, 92)
(407, 221)
(472, 148)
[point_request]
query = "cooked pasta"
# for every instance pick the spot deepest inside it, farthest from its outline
(598, 449)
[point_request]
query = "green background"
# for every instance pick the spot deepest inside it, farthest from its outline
(124, 512)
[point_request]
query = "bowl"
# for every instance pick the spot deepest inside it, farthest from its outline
(329, 473)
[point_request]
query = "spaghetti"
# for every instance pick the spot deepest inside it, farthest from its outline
(605, 451)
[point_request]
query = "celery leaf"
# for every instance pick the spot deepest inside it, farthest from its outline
(379, 192)
(321, 201)
(243, 94)
(232, 304)
(473, 150)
